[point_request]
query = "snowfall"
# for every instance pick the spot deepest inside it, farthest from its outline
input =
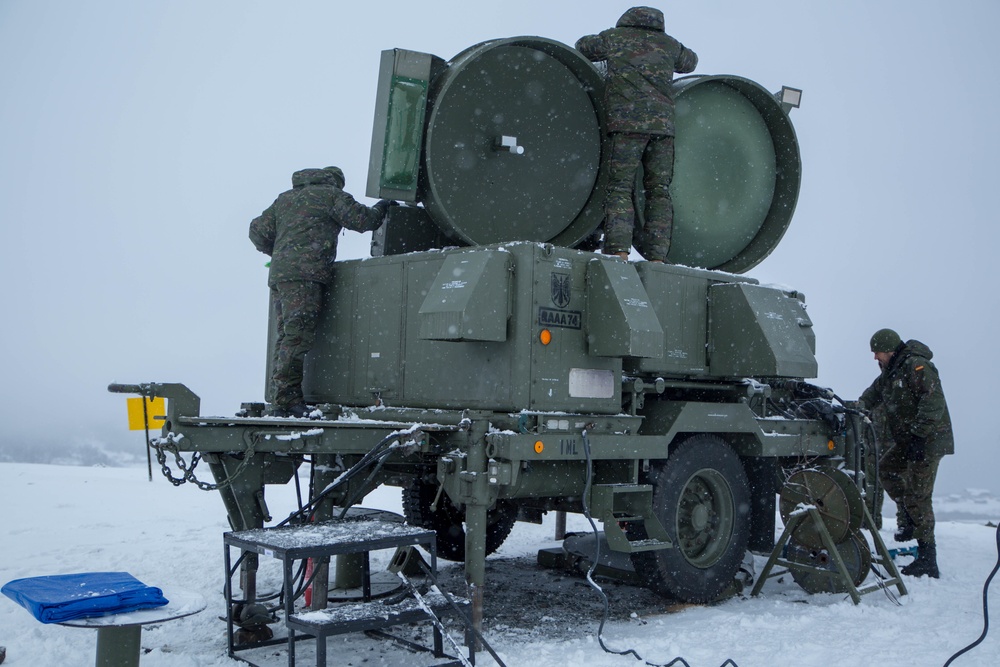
(67, 519)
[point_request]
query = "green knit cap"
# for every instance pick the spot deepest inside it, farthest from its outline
(885, 340)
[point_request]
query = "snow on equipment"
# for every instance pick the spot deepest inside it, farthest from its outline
(822, 545)
(493, 367)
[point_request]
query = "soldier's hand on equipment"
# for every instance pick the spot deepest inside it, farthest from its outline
(384, 205)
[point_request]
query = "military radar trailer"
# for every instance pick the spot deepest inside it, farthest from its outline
(494, 367)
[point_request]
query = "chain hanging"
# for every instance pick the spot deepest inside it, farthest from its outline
(169, 444)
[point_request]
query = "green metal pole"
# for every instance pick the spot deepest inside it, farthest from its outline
(118, 646)
(476, 504)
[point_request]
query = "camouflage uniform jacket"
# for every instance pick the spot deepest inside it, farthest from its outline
(910, 391)
(299, 230)
(641, 60)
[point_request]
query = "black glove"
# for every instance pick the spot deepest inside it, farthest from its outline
(383, 206)
(381, 209)
(918, 449)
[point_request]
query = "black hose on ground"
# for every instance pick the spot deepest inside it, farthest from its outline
(986, 607)
(597, 558)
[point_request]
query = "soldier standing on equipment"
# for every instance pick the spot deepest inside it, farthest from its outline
(917, 419)
(299, 232)
(641, 60)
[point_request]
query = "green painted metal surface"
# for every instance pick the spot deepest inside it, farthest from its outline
(469, 299)
(463, 329)
(758, 331)
(737, 172)
(512, 142)
(423, 314)
(524, 369)
(620, 319)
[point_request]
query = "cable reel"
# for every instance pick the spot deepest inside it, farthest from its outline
(856, 556)
(833, 494)
(822, 545)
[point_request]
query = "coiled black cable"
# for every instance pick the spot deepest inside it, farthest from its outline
(986, 607)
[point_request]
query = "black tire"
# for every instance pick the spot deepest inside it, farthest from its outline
(448, 520)
(702, 498)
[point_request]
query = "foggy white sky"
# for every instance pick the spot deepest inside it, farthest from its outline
(137, 141)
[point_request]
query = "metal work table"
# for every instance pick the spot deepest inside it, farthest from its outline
(119, 635)
(360, 535)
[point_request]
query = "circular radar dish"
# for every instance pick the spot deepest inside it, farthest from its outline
(737, 172)
(513, 144)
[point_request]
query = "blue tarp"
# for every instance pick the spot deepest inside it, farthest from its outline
(64, 597)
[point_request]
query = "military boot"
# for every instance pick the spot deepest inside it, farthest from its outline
(904, 526)
(925, 563)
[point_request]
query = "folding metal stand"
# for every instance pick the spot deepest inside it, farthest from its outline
(811, 513)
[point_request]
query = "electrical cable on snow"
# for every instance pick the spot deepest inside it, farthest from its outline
(881, 578)
(986, 607)
(600, 591)
(470, 626)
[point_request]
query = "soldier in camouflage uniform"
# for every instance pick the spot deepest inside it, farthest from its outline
(641, 60)
(918, 423)
(299, 231)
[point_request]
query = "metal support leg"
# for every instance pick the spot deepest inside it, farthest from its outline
(560, 525)
(286, 578)
(884, 558)
(325, 473)
(840, 569)
(118, 646)
(321, 651)
(475, 560)
(476, 524)
(776, 553)
(350, 571)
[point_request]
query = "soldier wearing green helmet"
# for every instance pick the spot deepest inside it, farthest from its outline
(917, 422)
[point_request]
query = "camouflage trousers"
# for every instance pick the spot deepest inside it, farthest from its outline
(910, 484)
(655, 153)
(297, 305)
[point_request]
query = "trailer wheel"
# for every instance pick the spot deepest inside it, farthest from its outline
(702, 498)
(448, 520)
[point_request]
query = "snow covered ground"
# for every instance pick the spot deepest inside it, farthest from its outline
(62, 519)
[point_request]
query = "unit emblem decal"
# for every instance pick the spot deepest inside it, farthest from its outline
(560, 289)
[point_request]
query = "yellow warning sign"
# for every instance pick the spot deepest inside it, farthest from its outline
(156, 412)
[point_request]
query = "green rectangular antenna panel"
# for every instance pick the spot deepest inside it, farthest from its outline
(398, 129)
